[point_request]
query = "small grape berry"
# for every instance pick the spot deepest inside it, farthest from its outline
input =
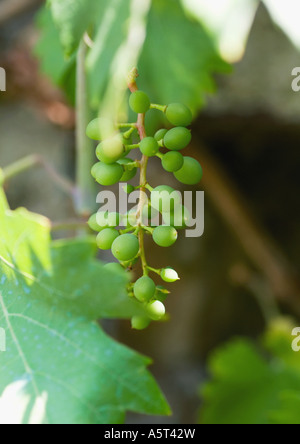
(144, 289)
(125, 247)
(139, 102)
(179, 114)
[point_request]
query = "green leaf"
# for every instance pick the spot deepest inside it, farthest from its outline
(252, 386)
(59, 366)
(73, 18)
(242, 390)
(53, 63)
(174, 66)
(111, 32)
(179, 57)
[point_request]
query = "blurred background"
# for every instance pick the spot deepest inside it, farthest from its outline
(231, 62)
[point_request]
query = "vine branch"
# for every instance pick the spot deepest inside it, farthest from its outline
(140, 125)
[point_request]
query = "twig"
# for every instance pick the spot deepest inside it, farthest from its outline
(85, 185)
(69, 225)
(132, 85)
(260, 249)
(36, 160)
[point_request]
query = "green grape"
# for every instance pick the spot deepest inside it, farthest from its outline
(128, 188)
(144, 289)
(172, 161)
(156, 310)
(140, 322)
(129, 173)
(165, 236)
(139, 102)
(108, 220)
(149, 146)
(107, 175)
(110, 150)
(177, 138)
(113, 266)
(179, 114)
(179, 218)
(100, 128)
(93, 224)
(106, 237)
(125, 247)
(165, 198)
(191, 173)
(160, 134)
(169, 275)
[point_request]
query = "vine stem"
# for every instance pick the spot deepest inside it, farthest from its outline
(36, 160)
(132, 85)
(85, 189)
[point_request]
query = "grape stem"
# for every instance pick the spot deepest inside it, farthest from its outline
(140, 125)
(162, 108)
(126, 125)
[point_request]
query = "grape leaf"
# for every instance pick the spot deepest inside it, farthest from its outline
(251, 387)
(173, 65)
(50, 53)
(59, 366)
(74, 17)
(242, 390)
(179, 57)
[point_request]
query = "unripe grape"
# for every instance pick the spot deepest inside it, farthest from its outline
(156, 310)
(177, 138)
(160, 134)
(93, 224)
(110, 150)
(139, 102)
(149, 146)
(165, 198)
(106, 237)
(172, 161)
(107, 219)
(140, 322)
(113, 266)
(125, 247)
(191, 173)
(144, 289)
(179, 114)
(128, 188)
(165, 236)
(100, 128)
(129, 173)
(107, 175)
(169, 275)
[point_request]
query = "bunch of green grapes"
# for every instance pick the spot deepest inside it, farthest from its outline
(127, 245)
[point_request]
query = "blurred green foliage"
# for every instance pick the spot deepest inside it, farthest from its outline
(255, 383)
(177, 59)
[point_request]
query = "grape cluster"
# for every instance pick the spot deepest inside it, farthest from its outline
(127, 245)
